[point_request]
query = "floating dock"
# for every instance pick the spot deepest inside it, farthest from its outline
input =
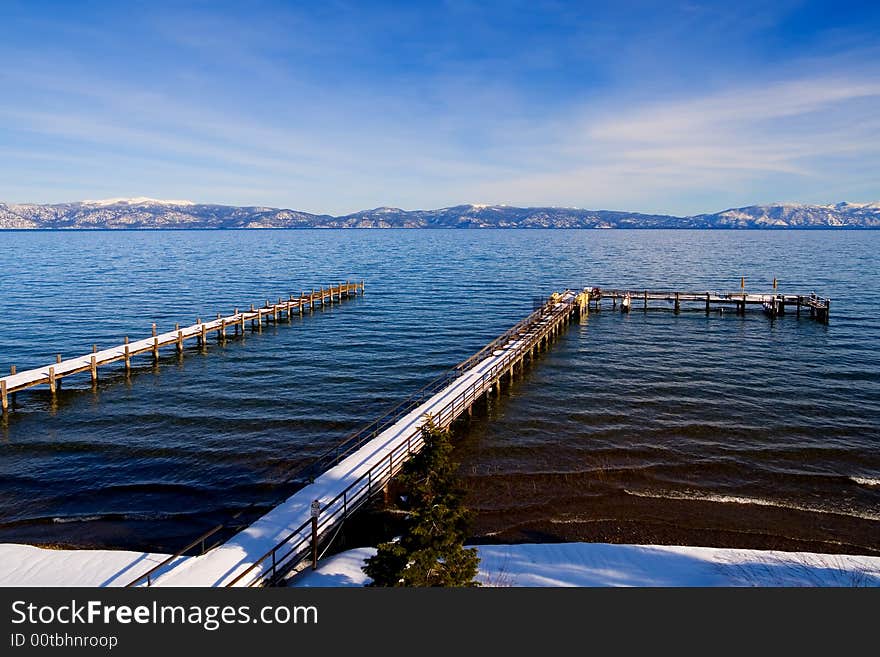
(52, 374)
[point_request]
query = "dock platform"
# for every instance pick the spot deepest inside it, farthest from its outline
(52, 374)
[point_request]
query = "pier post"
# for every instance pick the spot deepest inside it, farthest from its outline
(707, 304)
(827, 309)
(799, 305)
(155, 350)
(312, 300)
(646, 300)
(127, 356)
(179, 342)
(52, 380)
(12, 371)
(154, 329)
(316, 511)
(677, 303)
(204, 337)
(221, 336)
(260, 320)
(4, 401)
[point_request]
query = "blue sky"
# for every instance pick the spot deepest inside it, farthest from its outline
(336, 106)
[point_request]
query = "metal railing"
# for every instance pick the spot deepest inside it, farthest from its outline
(290, 552)
(147, 577)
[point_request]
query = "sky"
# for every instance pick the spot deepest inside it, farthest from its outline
(332, 107)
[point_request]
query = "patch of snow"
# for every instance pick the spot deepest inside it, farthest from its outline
(26, 565)
(603, 564)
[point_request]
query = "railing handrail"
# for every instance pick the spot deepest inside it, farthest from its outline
(392, 415)
(500, 366)
(354, 441)
(147, 575)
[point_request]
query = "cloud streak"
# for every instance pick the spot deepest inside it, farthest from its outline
(332, 112)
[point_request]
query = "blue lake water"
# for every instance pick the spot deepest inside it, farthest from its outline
(646, 427)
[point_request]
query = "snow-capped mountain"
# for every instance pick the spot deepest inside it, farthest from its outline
(145, 213)
(140, 200)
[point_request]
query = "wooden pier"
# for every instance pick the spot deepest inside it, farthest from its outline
(342, 480)
(235, 323)
(292, 535)
(774, 303)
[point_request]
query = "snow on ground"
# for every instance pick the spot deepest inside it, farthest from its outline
(26, 565)
(551, 564)
(603, 564)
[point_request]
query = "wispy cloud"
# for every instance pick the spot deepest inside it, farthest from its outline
(763, 135)
(336, 108)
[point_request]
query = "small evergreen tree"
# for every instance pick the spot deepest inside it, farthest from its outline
(430, 552)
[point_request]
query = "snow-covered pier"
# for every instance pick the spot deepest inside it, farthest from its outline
(773, 302)
(51, 375)
(291, 535)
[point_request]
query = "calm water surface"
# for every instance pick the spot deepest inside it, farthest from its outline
(648, 427)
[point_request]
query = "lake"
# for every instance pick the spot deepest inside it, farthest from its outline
(644, 427)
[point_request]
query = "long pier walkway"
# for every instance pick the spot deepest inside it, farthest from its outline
(290, 535)
(52, 374)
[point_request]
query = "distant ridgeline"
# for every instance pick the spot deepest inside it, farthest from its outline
(143, 213)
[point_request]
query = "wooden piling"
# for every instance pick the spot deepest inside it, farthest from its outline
(93, 369)
(179, 342)
(203, 341)
(4, 401)
(52, 380)
(127, 356)
(707, 304)
(155, 350)
(677, 303)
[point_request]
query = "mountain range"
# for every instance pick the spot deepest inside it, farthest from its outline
(145, 213)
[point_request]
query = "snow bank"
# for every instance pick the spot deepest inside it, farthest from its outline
(25, 565)
(602, 564)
